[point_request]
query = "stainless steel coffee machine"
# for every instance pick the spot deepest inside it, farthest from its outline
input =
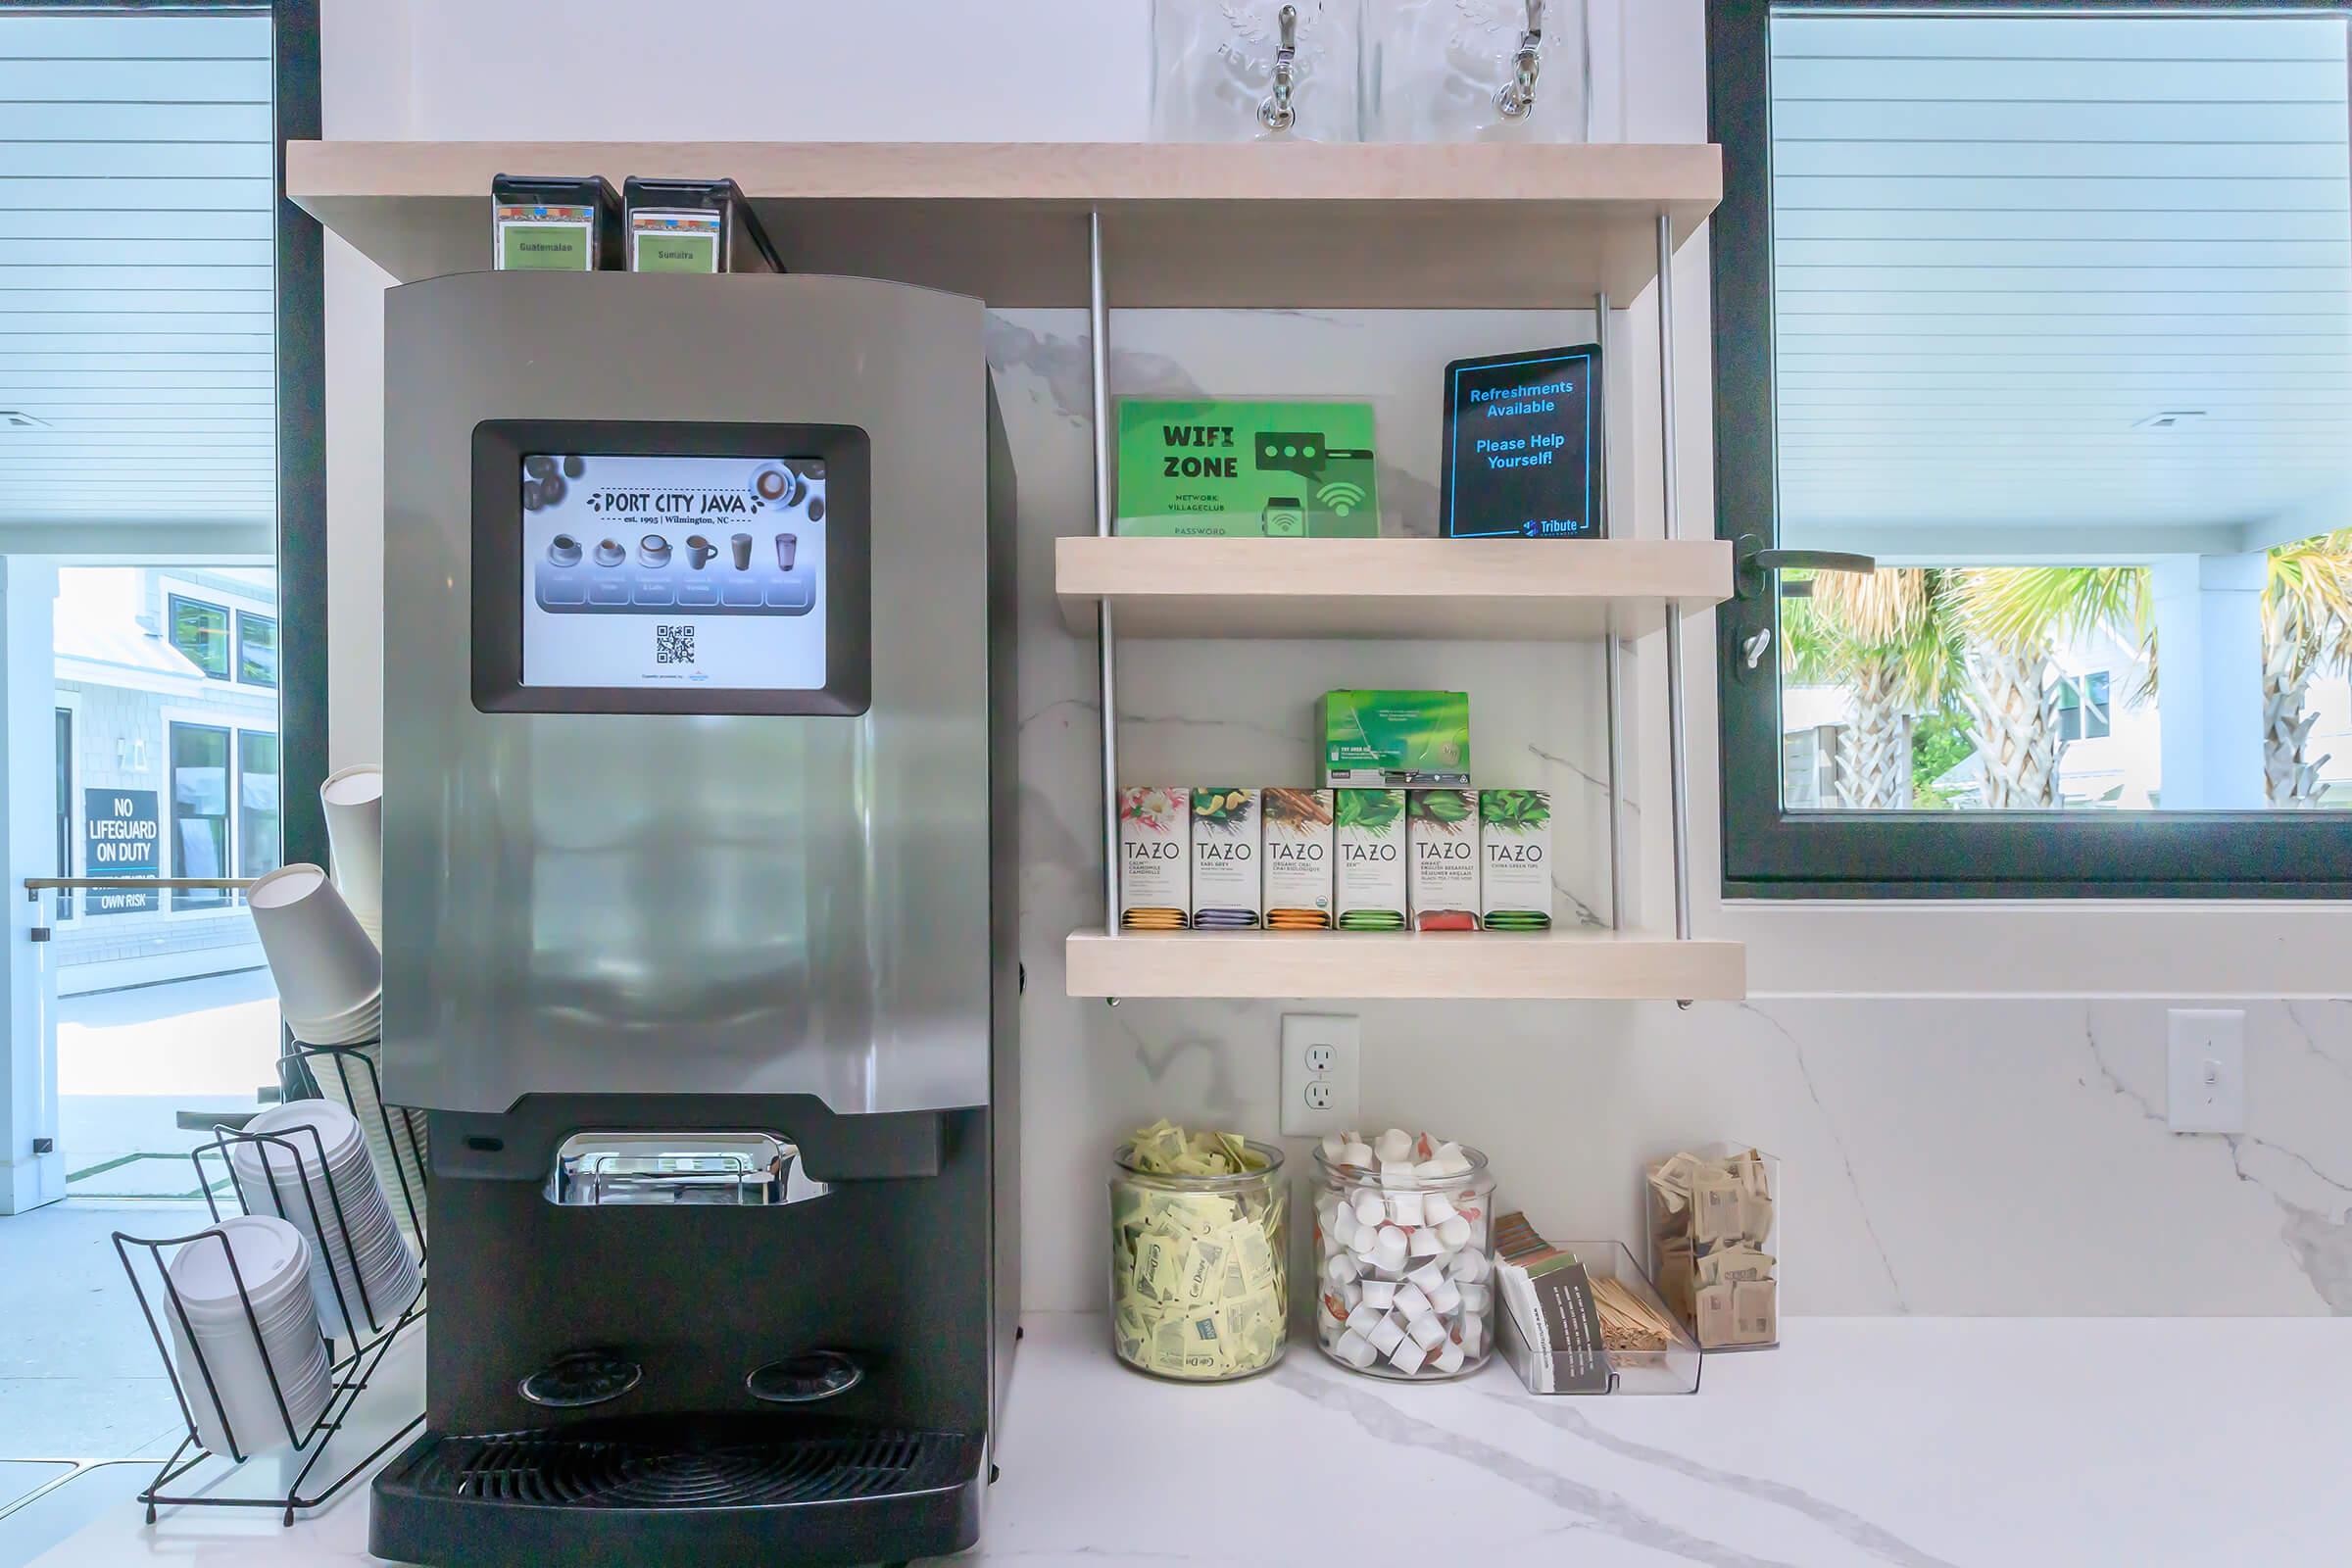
(699, 915)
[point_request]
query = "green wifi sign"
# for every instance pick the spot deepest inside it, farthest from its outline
(1240, 469)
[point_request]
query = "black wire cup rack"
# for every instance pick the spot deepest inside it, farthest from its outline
(354, 1358)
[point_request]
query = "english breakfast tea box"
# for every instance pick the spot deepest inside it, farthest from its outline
(1441, 836)
(1225, 862)
(1514, 875)
(1297, 859)
(1368, 832)
(1155, 859)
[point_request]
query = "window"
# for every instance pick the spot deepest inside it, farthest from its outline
(200, 632)
(2048, 308)
(2083, 709)
(65, 808)
(257, 648)
(199, 811)
(258, 847)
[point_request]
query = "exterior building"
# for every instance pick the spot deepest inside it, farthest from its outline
(168, 765)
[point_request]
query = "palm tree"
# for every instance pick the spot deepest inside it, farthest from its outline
(2013, 616)
(2306, 632)
(1888, 638)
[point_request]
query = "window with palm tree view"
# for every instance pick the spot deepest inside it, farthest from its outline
(2061, 338)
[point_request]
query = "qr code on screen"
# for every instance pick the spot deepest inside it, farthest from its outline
(673, 645)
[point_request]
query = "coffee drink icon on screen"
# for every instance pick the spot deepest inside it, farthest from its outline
(610, 554)
(788, 545)
(653, 550)
(743, 551)
(564, 551)
(698, 551)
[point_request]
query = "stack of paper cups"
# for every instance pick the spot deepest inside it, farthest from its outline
(330, 978)
(395, 1141)
(353, 799)
(363, 1275)
(223, 1370)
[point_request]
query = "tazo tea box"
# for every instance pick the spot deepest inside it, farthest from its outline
(1395, 740)
(1297, 859)
(1225, 864)
(1442, 836)
(1155, 859)
(1368, 832)
(1514, 875)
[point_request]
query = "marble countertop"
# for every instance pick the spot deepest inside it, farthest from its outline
(1861, 1440)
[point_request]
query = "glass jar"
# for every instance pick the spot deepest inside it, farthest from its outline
(1475, 71)
(1220, 70)
(1406, 1264)
(1199, 1286)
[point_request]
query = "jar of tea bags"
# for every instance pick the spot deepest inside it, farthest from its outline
(1197, 1271)
(1715, 1241)
(1405, 1242)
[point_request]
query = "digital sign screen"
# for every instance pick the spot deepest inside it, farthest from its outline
(649, 573)
(1523, 447)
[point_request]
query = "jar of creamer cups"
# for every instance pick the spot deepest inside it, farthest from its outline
(1198, 1256)
(1403, 1242)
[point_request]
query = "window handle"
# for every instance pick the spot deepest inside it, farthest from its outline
(1756, 564)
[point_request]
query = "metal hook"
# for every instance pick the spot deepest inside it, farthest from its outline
(1276, 113)
(1516, 98)
(1755, 647)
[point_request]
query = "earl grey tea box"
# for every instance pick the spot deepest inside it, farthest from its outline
(1155, 859)
(1225, 864)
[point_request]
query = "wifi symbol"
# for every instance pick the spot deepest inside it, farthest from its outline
(1341, 495)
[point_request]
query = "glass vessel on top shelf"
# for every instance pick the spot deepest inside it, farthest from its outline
(1255, 69)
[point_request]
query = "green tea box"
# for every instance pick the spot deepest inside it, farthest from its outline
(1395, 740)
(1155, 859)
(1514, 872)
(1225, 862)
(1231, 469)
(1441, 840)
(1368, 832)
(1297, 859)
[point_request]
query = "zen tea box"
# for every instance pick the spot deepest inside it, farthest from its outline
(1441, 837)
(1368, 832)
(1297, 859)
(1225, 864)
(1395, 740)
(1155, 859)
(1514, 875)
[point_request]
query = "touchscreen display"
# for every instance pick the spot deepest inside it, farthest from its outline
(647, 572)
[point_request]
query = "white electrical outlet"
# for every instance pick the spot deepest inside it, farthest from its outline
(2207, 1076)
(1319, 1074)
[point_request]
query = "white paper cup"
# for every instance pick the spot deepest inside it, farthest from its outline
(354, 800)
(322, 960)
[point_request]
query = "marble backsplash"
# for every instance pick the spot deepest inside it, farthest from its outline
(1967, 1157)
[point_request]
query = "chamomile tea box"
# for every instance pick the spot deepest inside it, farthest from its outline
(1155, 859)
(1368, 885)
(1514, 873)
(1225, 859)
(1297, 859)
(1440, 835)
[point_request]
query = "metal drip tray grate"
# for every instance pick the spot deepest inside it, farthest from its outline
(713, 1492)
(569, 1472)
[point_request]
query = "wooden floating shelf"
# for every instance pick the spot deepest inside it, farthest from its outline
(1301, 226)
(1569, 965)
(1487, 590)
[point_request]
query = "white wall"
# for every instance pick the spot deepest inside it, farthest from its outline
(1944, 1155)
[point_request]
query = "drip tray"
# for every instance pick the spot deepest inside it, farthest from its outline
(714, 1494)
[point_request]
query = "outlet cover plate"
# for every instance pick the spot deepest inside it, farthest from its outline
(2206, 1080)
(1320, 1073)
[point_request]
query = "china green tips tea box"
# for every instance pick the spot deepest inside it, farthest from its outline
(1247, 470)
(1395, 740)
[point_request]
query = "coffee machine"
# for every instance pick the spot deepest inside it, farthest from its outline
(699, 915)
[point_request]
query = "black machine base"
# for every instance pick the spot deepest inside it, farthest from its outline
(716, 1494)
